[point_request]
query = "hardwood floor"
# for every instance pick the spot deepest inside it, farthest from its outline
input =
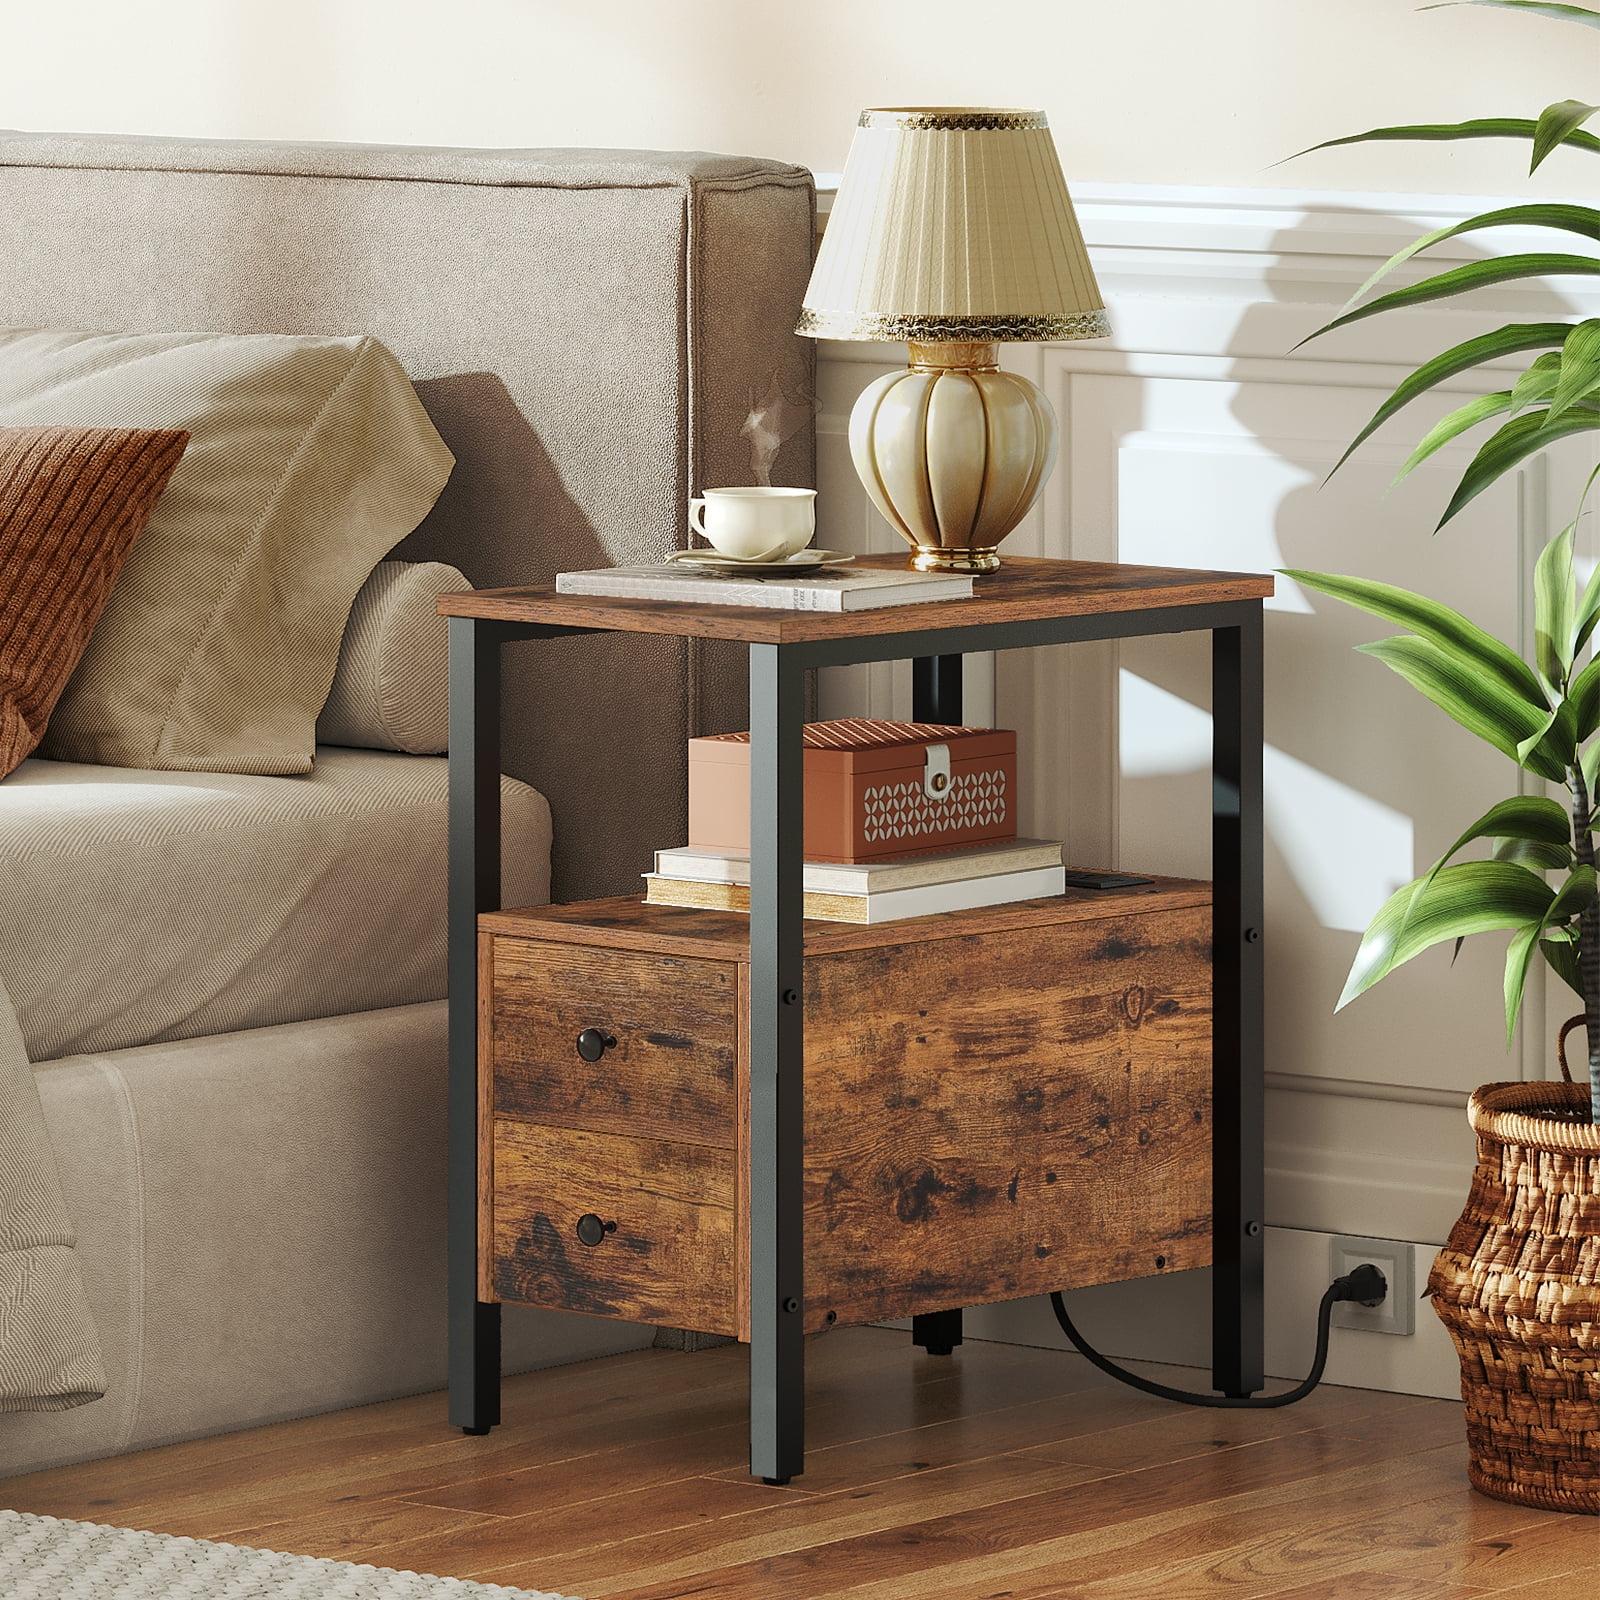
(997, 1474)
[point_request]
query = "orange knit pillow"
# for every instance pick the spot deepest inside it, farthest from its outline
(72, 501)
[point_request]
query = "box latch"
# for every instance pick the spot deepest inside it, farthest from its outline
(936, 772)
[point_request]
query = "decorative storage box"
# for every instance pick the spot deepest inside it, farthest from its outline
(874, 789)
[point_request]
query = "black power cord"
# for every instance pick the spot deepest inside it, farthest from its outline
(1366, 1285)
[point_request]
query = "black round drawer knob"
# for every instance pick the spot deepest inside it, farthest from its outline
(591, 1230)
(592, 1043)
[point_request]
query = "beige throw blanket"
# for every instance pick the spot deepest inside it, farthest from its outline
(49, 1353)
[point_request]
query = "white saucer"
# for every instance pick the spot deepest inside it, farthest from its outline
(801, 561)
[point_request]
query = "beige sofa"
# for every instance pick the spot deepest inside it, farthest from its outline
(257, 1177)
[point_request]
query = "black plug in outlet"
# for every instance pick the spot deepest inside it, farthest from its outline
(1394, 1262)
(1367, 1286)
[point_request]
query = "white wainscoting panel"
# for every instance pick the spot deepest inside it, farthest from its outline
(1200, 436)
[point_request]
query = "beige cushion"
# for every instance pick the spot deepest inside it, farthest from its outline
(309, 459)
(138, 906)
(391, 691)
(49, 1355)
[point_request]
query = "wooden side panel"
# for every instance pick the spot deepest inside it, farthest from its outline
(671, 1072)
(485, 1116)
(670, 1258)
(1006, 1114)
(741, 1246)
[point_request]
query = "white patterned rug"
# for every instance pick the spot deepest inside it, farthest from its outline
(44, 1558)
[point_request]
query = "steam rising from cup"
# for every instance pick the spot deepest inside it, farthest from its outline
(778, 415)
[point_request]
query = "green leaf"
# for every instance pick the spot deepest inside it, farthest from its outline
(1526, 746)
(1470, 897)
(1556, 122)
(1462, 279)
(1537, 8)
(1584, 698)
(1474, 128)
(1579, 367)
(1524, 819)
(1588, 762)
(1553, 607)
(1446, 627)
(1481, 705)
(1518, 955)
(1575, 895)
(1510, 340)
(1563, 960)
(1588, 610)
(1558, 215)
(1583, 499)
(1533, 855)
(1515, 441)
(1478, 409)
(1538, 383)
(1589, 605)
(1572, 898)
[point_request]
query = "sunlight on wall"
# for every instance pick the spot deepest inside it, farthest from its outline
(1346, 851)
(1231, 518)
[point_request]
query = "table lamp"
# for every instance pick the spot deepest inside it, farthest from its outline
(953, 230)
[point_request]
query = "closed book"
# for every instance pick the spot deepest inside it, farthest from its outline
(888, 905)
(837, 589)
(711, 864)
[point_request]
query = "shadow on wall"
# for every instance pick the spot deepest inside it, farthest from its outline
(501, 462)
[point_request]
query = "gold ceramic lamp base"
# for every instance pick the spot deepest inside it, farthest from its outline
(954, 453)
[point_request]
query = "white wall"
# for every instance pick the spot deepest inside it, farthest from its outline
(1139, 91)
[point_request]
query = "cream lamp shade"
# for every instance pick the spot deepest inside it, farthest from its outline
(953, 230)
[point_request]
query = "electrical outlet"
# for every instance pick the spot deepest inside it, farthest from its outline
(1396, 1260)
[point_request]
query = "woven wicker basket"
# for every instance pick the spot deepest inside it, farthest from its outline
(1518, 1287)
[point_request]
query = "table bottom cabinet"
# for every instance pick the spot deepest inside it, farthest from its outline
(997, 1103)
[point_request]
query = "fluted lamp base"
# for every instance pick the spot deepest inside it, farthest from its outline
(954, 453)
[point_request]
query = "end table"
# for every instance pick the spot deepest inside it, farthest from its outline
(1027, 602)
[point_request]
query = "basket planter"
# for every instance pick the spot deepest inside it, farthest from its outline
(1518, 1287)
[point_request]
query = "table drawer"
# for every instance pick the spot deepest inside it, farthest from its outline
(669, 1258)
(670, 1073)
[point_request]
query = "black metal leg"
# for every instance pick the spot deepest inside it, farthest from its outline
(937, 1332)
(474, 887)
(936, 697)
(936, 689)
(777, 1090)
(1238, 1277)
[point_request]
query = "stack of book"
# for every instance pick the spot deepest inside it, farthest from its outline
(961, 879)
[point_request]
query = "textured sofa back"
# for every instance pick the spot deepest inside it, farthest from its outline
(588, 329)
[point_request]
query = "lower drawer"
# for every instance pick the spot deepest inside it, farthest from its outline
(669, 1258)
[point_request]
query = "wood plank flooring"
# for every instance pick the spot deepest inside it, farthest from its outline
(997, 1474)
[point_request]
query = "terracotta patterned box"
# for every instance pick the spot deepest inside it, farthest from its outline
(874, 790)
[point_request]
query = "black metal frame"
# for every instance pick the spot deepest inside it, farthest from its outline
(777, 714)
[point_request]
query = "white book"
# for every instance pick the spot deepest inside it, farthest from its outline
(708, 864)
(891, 905)
(837, 589)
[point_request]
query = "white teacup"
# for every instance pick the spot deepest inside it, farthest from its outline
(756, 524)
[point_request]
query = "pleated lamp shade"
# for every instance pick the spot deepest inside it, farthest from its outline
(953, 223)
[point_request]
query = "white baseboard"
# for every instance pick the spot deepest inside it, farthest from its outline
(1169, 1320)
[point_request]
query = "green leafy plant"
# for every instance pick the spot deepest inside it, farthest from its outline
(1546, 718)
(1558, 393)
